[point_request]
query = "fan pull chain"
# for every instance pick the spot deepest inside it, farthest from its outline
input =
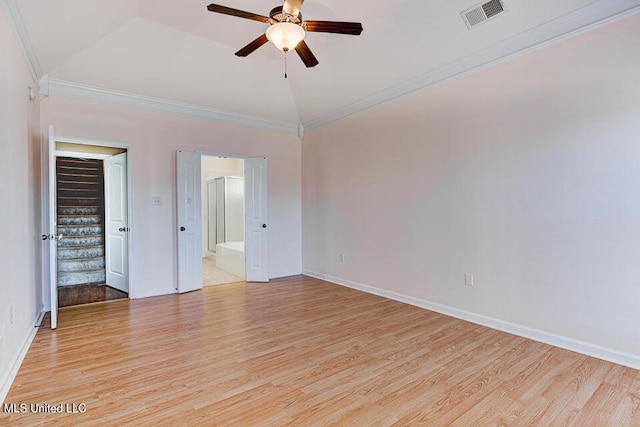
(285, 64)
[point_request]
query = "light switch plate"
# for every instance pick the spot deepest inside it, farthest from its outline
(156, 201)
(468, 279)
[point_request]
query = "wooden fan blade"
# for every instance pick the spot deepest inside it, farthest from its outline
(245, 51)
(292, 7)
(235, 12)
(306, 55)
(353, 28)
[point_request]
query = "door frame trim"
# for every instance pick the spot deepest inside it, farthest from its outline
(46, 302)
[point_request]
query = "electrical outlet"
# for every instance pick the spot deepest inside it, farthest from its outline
(468, 279)
(11, 315)
(341, 257)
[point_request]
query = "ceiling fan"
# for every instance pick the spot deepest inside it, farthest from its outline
(287, 29)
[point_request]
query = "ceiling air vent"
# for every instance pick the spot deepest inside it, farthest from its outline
(482, 12)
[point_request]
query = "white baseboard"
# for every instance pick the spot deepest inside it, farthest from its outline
(582, 347)
(17, 361)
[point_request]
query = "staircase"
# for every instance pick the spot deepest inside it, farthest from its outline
(80, 198)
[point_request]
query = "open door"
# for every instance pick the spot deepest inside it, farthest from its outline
(116, 221)
(189, 222)
(256, 232)
(49, 230)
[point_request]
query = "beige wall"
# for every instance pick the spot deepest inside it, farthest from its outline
(154, 140)
(525, 174)
(21, 291)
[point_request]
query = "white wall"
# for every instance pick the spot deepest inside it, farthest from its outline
(525, 174)
(20, 206)
(211, 168)
(155, 138)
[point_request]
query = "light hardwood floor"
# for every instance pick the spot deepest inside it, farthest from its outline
(300, 351)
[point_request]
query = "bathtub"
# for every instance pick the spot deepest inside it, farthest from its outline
(230, 257)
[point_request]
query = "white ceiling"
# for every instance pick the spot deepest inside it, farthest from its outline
(180, 52)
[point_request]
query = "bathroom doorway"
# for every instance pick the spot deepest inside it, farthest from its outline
(223, 221)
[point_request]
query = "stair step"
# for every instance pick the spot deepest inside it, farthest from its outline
(89, 165)
(66, 176)
(75, 252)
(81, 265)
(77, 167)
(80, 210)
(93, 240)
(79, 192)
(79, 201)
(79, 219)
(71, 182)
(76, 160)
(80, 230)
(73, 278)
(79, 186)
(80, 198)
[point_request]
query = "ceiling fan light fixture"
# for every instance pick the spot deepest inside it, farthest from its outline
(285, 35)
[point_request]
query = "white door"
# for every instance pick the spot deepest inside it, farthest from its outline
(49, 230)
(256, 231)
(116, 221)
(189, 222)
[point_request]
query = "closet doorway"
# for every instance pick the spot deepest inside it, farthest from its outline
(86, 215)
(91, 217)
(223, 220)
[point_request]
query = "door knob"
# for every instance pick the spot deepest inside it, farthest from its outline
(45, 237)
(182, 229)
(264, 225)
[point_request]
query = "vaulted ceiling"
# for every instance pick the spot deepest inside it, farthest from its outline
(178, 54)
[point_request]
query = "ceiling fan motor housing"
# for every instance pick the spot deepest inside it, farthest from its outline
(279, 15)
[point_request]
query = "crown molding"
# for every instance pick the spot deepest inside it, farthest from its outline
(139, 102)
(585, 19)
(89, 93)
(14, 17)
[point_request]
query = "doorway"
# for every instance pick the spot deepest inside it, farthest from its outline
(223, 234)
(189, 206)
(92, 220)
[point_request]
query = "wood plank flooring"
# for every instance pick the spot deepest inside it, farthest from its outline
(300, 351)
(87, 293)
